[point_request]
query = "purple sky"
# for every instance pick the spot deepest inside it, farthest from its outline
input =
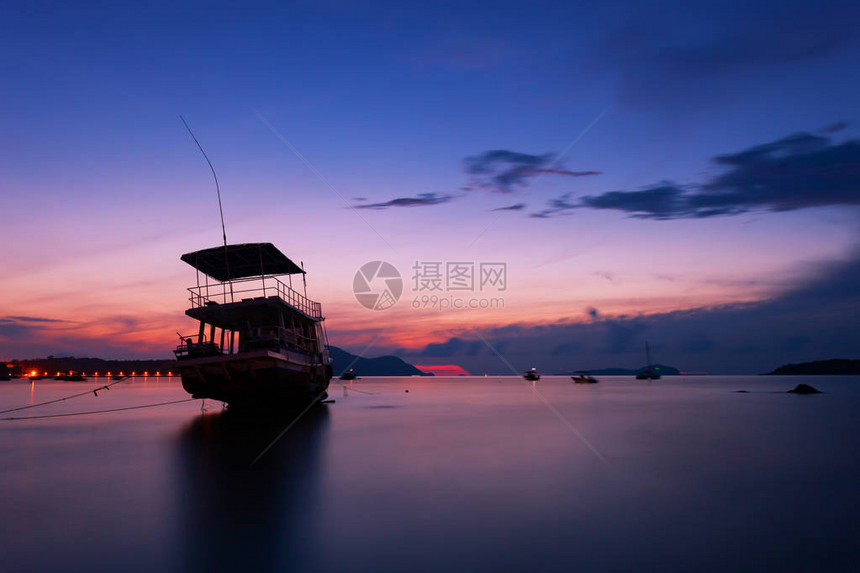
(687, 174)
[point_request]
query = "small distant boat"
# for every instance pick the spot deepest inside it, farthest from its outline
(348, 375)
(650, 371)
(71, 377)
(584, 378)
(532, 375)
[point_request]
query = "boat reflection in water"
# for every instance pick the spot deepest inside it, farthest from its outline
(241, 515)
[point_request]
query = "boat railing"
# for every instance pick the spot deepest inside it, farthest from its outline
(251, 288)
(257, 338)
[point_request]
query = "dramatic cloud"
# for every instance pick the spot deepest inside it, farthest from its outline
(423, 200)
(15, 328)
(498, 170)
(517, 207)
(796, 172)
(556, 206)
(814, 320)
(503, 171)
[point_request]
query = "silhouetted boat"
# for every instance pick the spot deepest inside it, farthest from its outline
(348, 375)
(532, 375)
(584, 378)
(259, 342)
(650, 371)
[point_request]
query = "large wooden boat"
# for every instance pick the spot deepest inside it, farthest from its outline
(259, 342)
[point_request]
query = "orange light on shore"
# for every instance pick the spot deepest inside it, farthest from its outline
(157, 374)
(170, 374)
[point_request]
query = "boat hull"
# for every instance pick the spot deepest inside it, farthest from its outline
(265, 380)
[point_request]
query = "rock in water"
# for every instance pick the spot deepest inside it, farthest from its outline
(804, 389)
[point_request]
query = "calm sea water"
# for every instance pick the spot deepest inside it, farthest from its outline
(457, 474)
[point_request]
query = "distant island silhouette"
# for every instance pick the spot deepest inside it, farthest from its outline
(341, 361)
(833, 367)
(380, 366)
(663, 369)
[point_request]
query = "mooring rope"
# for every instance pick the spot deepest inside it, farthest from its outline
(93, 391)
(99, 411)
(350, 388)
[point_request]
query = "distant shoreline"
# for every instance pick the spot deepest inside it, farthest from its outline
(833, 367)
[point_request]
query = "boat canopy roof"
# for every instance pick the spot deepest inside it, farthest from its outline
(240, 261)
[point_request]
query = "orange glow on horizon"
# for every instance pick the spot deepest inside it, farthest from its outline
(444, 370)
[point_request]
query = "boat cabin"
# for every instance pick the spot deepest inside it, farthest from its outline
(243, 306)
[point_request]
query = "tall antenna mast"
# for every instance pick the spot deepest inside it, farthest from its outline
(220, 208)
(217, 187)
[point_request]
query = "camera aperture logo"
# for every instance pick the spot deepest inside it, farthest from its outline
(377, 285)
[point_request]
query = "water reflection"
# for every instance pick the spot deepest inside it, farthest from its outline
(235, 516)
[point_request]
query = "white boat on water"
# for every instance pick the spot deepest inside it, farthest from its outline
(259, 342)
(532, 375)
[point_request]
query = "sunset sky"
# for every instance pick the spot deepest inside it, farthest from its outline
(682, 173)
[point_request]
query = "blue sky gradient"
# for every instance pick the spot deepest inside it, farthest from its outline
(659, 162)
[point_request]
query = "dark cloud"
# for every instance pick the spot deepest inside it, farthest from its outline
(13, 329)
(516, 207)
(443, 349)
(796, 172)
(423, 200)
(834, 127)
(33, 319)
(503, 171)
(558, 205)
(567, 348)
(677, 55)
(19, 328)
(816, 319)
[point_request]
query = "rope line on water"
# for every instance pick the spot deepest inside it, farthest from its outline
(99, 411)
(351, 389)
(93, 391)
